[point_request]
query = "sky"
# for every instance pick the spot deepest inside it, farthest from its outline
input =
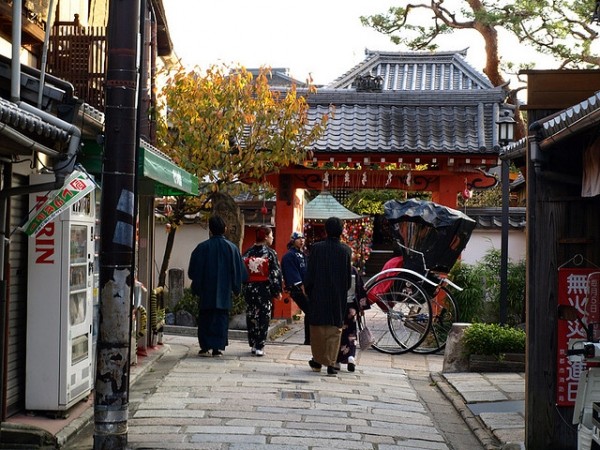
(323, 38)
(319, 38)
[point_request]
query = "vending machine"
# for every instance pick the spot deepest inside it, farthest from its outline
(61, 281)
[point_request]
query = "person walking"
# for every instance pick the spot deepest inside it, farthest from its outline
(293, 266)
(328, 279)
(217, 271)
(265, 283)
(356, 296)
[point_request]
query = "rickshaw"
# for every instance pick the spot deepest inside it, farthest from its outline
(411, 307)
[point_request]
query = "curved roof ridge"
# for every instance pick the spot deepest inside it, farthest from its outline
(417, 71)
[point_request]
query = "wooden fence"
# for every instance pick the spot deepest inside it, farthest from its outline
(78, 54)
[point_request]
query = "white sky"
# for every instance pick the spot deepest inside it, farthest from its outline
(323, 38)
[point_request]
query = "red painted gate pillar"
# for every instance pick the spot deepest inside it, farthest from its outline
(448, 191)
(289, 217)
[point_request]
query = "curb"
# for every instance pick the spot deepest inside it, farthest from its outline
(237, 335)
(481, 432)
(87, 416)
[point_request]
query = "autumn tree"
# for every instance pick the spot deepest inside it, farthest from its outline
(230, 129)
(560, 28)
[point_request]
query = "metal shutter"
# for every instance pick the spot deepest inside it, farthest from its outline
(17, 310)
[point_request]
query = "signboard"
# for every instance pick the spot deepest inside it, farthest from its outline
(76, 186)
(572, 290)
(592, 310)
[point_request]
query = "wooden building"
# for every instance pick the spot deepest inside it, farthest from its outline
(561, 157)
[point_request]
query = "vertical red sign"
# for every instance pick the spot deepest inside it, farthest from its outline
(572, 290)
(592, 310)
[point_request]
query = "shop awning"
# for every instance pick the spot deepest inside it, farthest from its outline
(157, 174)
(169, 178)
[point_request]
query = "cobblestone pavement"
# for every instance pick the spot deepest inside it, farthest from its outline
(239, 401)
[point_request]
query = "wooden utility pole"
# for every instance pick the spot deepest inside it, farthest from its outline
(117, 230)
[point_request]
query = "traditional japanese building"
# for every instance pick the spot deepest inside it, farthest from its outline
(413, 121)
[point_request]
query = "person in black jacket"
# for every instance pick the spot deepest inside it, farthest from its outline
(328, 278)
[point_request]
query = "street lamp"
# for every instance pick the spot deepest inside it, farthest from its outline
(506, 129)
(506, 134)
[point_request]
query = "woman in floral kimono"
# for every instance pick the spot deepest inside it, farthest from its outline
(263, 285)
(356, 296)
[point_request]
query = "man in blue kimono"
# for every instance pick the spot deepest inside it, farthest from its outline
(217, 272)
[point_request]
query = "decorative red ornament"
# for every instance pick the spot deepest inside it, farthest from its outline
(264, 210)
(467, 194)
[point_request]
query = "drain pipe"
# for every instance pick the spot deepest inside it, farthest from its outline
(45, 54)
(71, 129)
(26, 141)
(15, 81)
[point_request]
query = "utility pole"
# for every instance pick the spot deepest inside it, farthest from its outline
(117, 228)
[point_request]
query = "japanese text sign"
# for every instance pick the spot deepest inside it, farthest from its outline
(572, 290)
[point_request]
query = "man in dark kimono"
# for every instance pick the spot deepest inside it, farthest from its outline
(217, 271)
(328, 278)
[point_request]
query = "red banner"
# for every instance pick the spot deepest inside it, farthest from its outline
(592, 310)
(572, 290)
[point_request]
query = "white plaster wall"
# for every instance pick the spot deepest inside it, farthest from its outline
(482, 240)
(188, 236)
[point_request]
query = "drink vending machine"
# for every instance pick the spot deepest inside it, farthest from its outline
(61, 286)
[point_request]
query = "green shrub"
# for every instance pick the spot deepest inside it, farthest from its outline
(470, 300)
(480, 299)
(239, 305)
(493, 339)
(189, 303)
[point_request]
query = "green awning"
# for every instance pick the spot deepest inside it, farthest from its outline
(157, 174)
(170, 179)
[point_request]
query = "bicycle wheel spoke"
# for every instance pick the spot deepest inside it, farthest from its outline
(444, 314)
(412, 325)
(399, 318)
(376, 319)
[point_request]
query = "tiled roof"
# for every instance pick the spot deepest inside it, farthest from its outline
(417, 71)
(550, 130)
(492, 217)
(279, 76)
(582, 115)
(29, 124)
(324, 206)
(429, 103)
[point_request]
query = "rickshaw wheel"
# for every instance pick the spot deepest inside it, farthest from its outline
(400, 315)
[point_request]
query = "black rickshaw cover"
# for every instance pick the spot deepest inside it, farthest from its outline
(439, 232)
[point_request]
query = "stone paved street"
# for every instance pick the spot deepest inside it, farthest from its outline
(239, 401)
